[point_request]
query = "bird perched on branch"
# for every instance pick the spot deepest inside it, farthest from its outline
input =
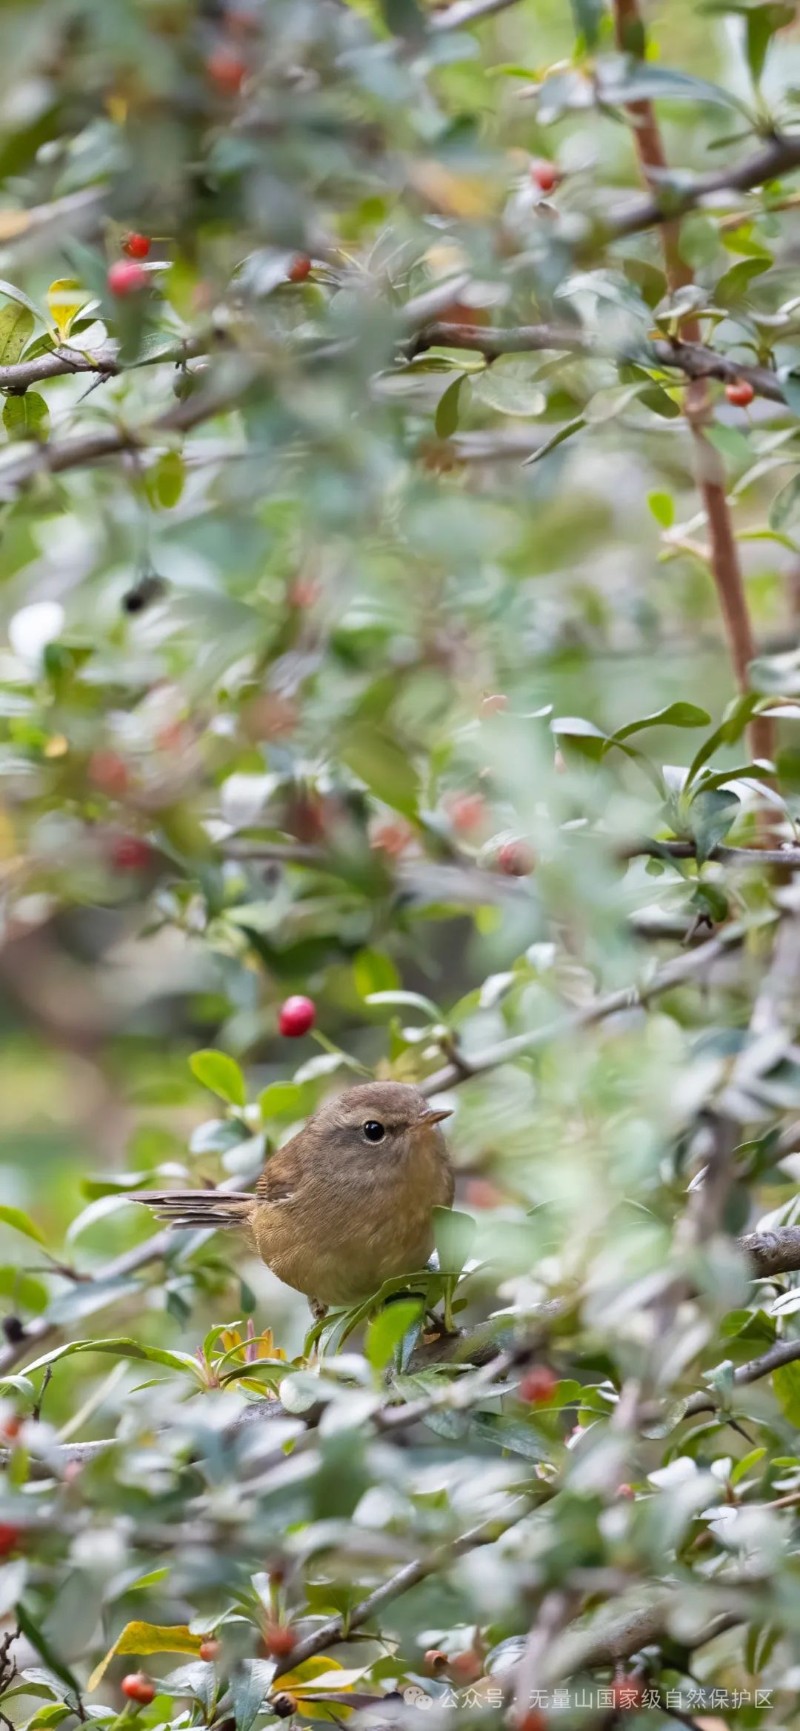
(343, 1206)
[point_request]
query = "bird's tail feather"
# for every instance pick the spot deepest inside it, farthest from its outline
(197, 1209)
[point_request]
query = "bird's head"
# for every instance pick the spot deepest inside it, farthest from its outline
(389, 1119)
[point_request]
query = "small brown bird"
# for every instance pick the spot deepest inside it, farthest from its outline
(343, 1206)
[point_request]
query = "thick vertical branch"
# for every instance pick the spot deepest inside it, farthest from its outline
(725, 566)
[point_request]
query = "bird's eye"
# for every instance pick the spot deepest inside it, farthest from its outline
(373, 1131)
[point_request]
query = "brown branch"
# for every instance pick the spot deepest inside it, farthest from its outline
(608, 1639)
(103, 442)
(676, 972)
(710, 473)
(788, 856)
(338, 1628)
(780, 155)
(65, 361)
(696, 360)
(773, 1252)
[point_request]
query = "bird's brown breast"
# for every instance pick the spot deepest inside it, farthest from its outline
(337, 1229)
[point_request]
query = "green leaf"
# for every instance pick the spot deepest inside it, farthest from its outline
(165, 479)
(675, 715)
(373, 971)
(120, 1346)
(249, 1685)
(39, 1640)
(26, 417)
(280, 1100)
(388, 1329)
(711, 815)
(662, 506)
(454, 1236)
(220, 1074)
(761, 22)
(16, 326)
(643, 81)
(144, 1639)
(408, 1000)
(784, 511)
(588, 16)
(732, 287)
(735, 720)
(786, 1383)
(746, 1465)
(18, 295)
(588, 740)
(379, 762)
(557, 439)
(507, 387)
(446, 417)
(21, 1222)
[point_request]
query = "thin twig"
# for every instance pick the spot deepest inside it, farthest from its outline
(338, 1628)
(724, 553)
(695, 360)
(676, 972)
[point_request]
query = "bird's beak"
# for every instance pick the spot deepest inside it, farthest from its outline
(436, 1114)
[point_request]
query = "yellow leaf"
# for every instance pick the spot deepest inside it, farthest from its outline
(453, 194)
(13, 222)
(292, 1682)
(324, 1675)
(146, 1638)
(65, 298)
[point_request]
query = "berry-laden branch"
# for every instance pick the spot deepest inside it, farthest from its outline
(63, 362)
(217, 398)
(694, 360)
(439, 1559)
(709, 470)
(769, 1253)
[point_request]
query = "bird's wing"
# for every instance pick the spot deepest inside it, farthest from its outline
(283, 1176)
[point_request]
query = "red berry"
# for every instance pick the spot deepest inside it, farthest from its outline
(392, 837)
(467, 812)
(466, 1667)
(12, 1427)
(9, 1538)
(493, 703)
(482, 1193)
(459, 314)
(279, 1639)
(544, 174)
(226, 69)
(299, 268)
(108, 772)
(130, 854)
(210, 1650)
(516, 859)
(139, 1687)
(125, 280)
(434, 1661)
(533, 1720)
(137, 245)
(538, 1384)
(303, 593)
(297, 1016)
(740, 392)
(626, 1493)
(628, 1692)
